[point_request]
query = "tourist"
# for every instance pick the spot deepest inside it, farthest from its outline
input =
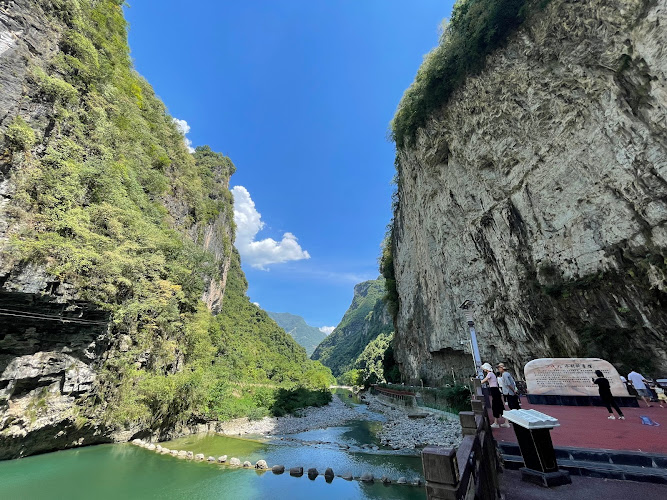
(508, 385)
(660, 391)
(497, 406)
(606, 396)
(500, 386)
(639, 383)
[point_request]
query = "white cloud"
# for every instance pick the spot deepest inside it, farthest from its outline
(184, 129)
(260, 253)
(256, 303)
(327, 329)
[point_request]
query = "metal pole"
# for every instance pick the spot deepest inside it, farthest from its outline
(467, 309)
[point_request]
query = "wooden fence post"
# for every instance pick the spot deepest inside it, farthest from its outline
(441, 471)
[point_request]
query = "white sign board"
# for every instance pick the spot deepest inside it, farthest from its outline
(531, 419)
(570, 377)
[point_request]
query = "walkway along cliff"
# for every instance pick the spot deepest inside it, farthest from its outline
(538, 189)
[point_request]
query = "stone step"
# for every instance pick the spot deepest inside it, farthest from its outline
(601, 470)
(597, 456)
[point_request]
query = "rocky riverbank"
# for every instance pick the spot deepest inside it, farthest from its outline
(402, 432)
(399, 431)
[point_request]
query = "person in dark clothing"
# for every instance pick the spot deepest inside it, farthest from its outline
(606, 396)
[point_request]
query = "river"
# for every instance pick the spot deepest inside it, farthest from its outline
(130, 472)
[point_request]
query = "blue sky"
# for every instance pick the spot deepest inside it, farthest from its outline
(299, 94)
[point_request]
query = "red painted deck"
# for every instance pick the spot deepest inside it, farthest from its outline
(588, 427)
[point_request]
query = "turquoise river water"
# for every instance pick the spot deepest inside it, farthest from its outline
(124, 471)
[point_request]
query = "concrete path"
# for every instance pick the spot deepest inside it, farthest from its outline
(587, 488)
(588, 427)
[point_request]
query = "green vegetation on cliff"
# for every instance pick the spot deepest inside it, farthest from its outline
(109, 199)
(364, 320)
(475, 29)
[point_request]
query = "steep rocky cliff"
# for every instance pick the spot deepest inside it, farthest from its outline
(538, 189)
(365, 319)
(122, 301)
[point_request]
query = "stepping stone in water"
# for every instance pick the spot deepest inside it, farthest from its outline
(367, 477)
(261, 464)
(296, 471)
(278, 469)
(222, 459)
(313, 473)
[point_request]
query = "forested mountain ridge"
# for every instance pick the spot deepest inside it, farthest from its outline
(306, 336)
(366, 318)
(122, 300)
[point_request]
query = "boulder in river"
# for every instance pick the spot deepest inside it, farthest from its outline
(191, 455)
(402, 480)
(165, 451)
(136, 441)
(199, 456)
(367, 477)
(210, 459)
(385, 480)
(347, 477)
(174, 453)
(150, 447)
(234, 461)
(313, 473)
(182, 454)
(278, 469)
(261, 464)
(247, 464)
(296, 471)
(222, 459)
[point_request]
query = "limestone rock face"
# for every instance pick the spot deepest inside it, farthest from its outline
(54, 342)
(540, 192)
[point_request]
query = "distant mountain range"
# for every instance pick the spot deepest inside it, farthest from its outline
(307, 336)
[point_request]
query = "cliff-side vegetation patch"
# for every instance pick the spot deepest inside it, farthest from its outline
(362, 322)
(475, 29)
(109, 200)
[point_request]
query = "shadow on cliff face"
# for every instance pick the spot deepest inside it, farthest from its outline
(49, 354)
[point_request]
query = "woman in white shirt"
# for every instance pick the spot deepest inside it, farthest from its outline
(497, 406)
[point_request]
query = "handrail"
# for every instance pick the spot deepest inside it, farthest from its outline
(471, 470)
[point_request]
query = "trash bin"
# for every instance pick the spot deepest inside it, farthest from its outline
(533, 432)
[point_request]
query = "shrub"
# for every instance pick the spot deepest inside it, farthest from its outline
(19, 135)
(54, 88)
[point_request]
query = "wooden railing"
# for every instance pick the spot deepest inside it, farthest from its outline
(471, 471)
